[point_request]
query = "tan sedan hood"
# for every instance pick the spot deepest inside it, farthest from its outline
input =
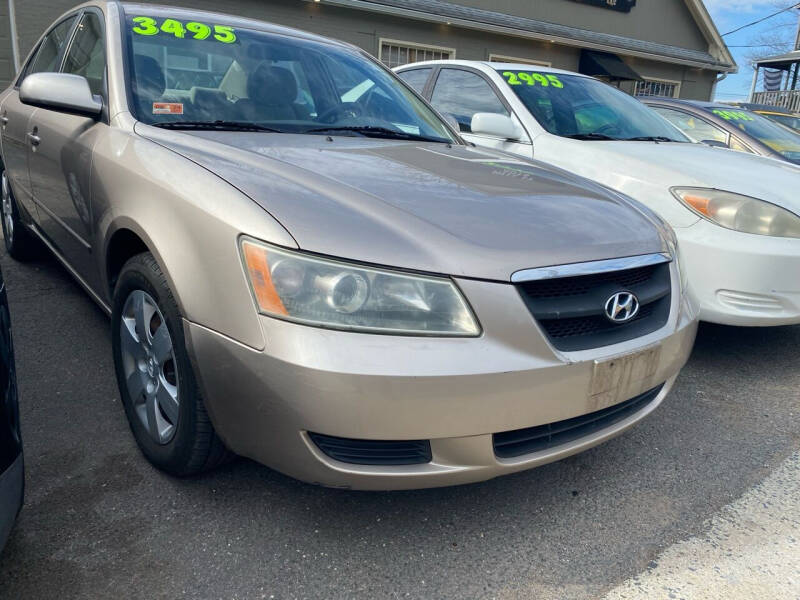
(431, 207)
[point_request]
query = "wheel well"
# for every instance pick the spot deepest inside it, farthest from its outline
(124, 245)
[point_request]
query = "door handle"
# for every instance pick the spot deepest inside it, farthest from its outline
(34, 139)
(4, 120)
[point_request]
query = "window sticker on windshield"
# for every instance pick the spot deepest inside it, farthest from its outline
(167, 108)
(192, 30)
(531, 78)
(733, 115)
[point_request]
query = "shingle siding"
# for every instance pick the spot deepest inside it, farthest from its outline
(658, 21)
(365, 29)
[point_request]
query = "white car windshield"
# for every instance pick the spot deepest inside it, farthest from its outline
(583, 108)
(186, 73)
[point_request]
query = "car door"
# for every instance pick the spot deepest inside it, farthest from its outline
(15, 116)
(461, 93)
(60, 164)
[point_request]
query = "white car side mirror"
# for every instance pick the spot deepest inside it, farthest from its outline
(496, 125)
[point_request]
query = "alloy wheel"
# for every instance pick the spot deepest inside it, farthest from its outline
(148, 360)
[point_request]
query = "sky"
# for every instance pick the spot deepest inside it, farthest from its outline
(730, 14)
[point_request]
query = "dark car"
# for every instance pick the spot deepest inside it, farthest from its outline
(736, 128)
(11, 469)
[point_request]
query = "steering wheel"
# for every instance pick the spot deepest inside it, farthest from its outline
(349, 111)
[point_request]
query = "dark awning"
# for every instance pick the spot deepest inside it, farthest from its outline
(605, 64)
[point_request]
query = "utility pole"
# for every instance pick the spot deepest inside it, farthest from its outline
(797, 36)
(796, 47)
(12, 21)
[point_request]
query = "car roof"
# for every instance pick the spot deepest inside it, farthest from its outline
(493, 66)
(762, 108)
(702, 104)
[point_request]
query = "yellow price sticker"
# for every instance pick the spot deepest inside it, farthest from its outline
(532, 78)
(733, 115)
(193, 30)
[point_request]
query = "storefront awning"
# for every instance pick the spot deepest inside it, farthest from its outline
(605, 64)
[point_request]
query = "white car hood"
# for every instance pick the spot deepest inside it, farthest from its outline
(631, 166)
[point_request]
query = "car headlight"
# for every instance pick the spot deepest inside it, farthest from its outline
(328, 293)
(740, 213)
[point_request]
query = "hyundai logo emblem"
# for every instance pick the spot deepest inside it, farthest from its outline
(622, 307)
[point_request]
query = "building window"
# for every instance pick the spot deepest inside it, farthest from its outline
(513, 59)
(657, 87)
(394, 53)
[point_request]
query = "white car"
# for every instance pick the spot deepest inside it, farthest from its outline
(735, 215)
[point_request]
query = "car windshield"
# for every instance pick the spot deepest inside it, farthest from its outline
(188, 72)
(780, 139)
(789, 121)
(584, 108)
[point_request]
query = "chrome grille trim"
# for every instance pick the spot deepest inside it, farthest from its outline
(589, 268)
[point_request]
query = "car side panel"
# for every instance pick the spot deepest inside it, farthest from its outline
(16, 148)
(190, 220)
(60, 168)
(11, 461)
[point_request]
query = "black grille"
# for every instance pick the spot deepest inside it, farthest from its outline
(510, 444)
(571, 310)
(374, 452)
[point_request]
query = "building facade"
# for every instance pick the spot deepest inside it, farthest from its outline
(646, 47)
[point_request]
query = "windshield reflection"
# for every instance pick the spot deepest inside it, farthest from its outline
(584, 108)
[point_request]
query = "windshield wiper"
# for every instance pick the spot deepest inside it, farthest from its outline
(591, 136)
(377, 132)
(650, 138)
(217, 126)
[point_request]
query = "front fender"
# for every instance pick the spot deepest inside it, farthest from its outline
(190, 220)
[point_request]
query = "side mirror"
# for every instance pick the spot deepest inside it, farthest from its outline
(62, 92)
(714, 143)
(496, 125)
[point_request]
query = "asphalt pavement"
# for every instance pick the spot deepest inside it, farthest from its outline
(99, 522)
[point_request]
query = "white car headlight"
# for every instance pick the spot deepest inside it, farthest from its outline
(340, 295)
(740, 213)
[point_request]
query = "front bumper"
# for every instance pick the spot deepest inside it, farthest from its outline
(454, 392)
(740, 278)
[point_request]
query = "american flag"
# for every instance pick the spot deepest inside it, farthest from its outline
(773, 78)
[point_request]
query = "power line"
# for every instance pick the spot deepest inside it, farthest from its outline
(788, 8)
(751, 46)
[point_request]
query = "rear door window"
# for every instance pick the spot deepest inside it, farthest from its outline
(416, 78)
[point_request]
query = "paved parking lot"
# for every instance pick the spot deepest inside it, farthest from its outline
(99, 522)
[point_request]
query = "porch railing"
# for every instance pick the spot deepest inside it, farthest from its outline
(789, 100)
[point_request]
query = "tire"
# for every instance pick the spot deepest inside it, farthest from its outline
(20, 243)
(156, 381)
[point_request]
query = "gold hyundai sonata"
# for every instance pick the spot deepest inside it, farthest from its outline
(306, 265)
